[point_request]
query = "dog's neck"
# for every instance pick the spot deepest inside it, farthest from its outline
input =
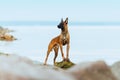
(65, 31)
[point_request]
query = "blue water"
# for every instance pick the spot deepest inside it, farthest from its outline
(87, 43)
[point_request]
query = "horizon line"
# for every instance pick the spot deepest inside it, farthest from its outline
(32, 23)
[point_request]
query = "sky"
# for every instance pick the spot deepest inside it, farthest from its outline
(52, 10)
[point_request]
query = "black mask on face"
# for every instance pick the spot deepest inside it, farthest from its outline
(61, 25)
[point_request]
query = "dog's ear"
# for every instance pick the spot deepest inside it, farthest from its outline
(66, 20)
(61, 19)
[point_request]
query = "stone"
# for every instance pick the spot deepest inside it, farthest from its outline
(64, 64)
(4, 36)
(92, 71)
(116, 69)
(14, 67)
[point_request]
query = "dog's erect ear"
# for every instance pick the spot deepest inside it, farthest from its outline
(66, 20)
(62, 20)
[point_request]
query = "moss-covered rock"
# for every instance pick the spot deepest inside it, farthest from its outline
(64, 64)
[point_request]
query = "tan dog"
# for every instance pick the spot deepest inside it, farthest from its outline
(60, 41)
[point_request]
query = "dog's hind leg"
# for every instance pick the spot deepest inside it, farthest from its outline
(48, 52)
(50, 47)
(56, 52)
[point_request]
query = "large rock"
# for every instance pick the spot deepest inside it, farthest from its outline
(92, 71)
(4, 30)
(116, 69)
(13, 67)
(4, 36)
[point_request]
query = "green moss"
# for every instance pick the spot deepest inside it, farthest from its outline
(64, 64)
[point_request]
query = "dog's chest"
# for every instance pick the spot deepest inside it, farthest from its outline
(64, 39)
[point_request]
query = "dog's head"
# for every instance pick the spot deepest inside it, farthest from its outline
(63, 24)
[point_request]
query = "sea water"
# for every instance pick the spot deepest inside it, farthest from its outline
(87, 43)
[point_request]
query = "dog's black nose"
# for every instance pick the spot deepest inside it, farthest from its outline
(58, 26)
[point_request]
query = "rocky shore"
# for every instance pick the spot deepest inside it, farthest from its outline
(14, 67)
(5, 36)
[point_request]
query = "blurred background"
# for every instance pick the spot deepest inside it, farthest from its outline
(103, 11)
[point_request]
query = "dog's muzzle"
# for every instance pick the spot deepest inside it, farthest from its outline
(58, 26)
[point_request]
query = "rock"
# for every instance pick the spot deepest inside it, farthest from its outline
(92, 71)
(116, 69)
(4, 36)
(7, 37)
(4, 30)
(13, 67)
(64, 64)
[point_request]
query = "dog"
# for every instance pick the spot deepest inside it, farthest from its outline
(60, 41)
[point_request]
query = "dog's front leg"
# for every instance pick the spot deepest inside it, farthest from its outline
(61, 49)
(67, 52)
